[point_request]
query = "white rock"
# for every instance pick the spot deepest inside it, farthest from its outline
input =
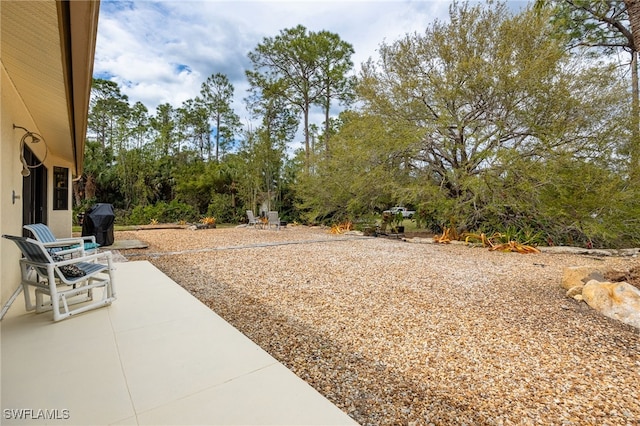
(620, 301)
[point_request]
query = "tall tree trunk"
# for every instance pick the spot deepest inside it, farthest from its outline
(327, 108)
(77, 191)
(635, 118)
(90, 188)
(633, 9)
(306, 139)
(217, 138)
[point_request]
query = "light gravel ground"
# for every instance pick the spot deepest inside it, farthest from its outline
(395, 332)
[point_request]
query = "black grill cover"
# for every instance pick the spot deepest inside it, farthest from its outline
(99, 221)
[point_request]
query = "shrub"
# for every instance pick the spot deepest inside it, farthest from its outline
(162, 212)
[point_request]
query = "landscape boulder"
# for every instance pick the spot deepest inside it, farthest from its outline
(618, 300)
(575, 292)
(578, 276)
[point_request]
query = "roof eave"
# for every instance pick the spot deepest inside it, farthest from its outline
(78, 32)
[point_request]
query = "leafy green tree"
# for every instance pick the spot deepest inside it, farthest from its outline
(361, 175)
(286, 66)
(482, 84)
(605, 26)
(193, 185)
(244, 182)
(217, 95)
(139, 125)
(473, 124)
(336, 83)
(193, 125)
(164, 124)
(303, 69)
(98, 172)
(264, 149)
(263, 157)
(106, 109)
(135, 169)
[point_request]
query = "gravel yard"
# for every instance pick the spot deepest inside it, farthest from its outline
(395, 332)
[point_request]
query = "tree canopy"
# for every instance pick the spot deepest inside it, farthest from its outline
(489, 121)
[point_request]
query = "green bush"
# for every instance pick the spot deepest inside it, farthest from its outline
(162, 212)
(221, 207)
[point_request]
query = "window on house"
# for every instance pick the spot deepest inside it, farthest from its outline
(60, 188)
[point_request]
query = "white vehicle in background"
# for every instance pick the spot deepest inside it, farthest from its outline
(407, 214)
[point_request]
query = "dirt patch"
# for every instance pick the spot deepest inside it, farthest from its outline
(419, 234)
(631, 276)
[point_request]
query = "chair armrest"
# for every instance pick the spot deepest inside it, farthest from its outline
(86, 258)
(70, 240)
(87, 238)
(64, 242)
(66, 246)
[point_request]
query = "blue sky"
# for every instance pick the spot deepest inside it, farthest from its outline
(162, 51)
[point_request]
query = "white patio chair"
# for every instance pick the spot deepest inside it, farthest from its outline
(67, 282)
(62, 246)
(274, 219)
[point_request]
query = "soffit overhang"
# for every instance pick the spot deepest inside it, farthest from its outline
(47, 48)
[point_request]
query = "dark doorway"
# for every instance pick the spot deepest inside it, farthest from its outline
(34, 192)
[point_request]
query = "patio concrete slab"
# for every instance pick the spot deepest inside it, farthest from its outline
(127, 245)
(156, 356)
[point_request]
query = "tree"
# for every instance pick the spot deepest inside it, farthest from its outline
(633, 10)
(107, 106)
(361, 176)
(335, 64)
(134, 171)
(165, 126)
(108, 109)
(302, 69)
(456, 107)
(606, 26)
(193, 125)
(139, 125)
(98, 172)
(265, 147)
(217, 94)
(263, 153)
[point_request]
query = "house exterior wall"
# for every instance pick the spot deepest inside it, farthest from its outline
(13, 111)
(45, 86)
(60, 221)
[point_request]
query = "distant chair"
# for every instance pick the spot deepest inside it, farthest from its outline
(252, 219)
(67, 282)
(274, 219)
(62, 246)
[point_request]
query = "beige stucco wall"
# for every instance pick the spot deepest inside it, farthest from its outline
(13, 110)
(60, 221)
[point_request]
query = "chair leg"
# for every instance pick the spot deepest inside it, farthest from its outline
(110, 285)
(41, 305)
(28, 304)
(53, 293)
(25, 272)
(71, 297)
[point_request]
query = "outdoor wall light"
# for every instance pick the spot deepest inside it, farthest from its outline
(30, 137)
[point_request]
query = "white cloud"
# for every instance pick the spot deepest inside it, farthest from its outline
(162, 51)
